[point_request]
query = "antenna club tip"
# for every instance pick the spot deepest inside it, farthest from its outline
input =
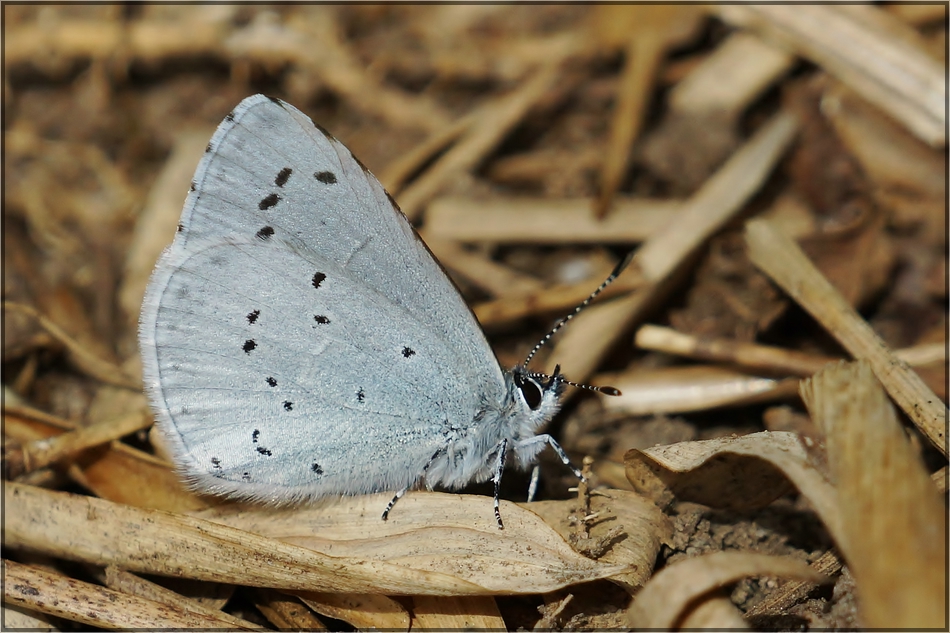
(609, 391)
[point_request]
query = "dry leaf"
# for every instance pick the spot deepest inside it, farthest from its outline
(664, 600)
(443, 535)
(363, 611)
(894, 522)
(54, 594)
(467, 613)
(734, 472)
(628, 527)
(151, 541)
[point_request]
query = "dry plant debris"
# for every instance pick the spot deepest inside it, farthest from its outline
(781, 173)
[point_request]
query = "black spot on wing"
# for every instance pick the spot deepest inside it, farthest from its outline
(283, 176)
(407, 352)
(316, 468)
(322, 320)
(265, 233)
(254, 435)
(271, 381)
(249, 345)
(288, 405)
(318, 279)
(264, 451)
(230, 116)
(268, 202)
(326, 177)
(252, 316)
(360, 395)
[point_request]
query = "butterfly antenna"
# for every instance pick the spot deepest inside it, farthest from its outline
(619, 268)
(607, 391)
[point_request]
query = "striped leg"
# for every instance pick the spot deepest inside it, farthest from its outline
(502, 448)
(550, 441)
(399, 494)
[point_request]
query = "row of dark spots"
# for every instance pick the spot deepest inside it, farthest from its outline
(326, 177)
(316, 468)
(255, 435)
(260, 449)
(317, 279)
(246, 476)
(271, 199)
(252, 316)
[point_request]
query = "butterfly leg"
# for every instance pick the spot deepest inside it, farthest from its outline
(502, 452)
(399, 494)
(550, 441)
(533, 486)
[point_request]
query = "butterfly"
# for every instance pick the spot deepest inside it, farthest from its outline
(300, 341)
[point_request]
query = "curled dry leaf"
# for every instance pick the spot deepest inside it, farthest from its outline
(733, 472)
(433, 543)
(438, 613)
(894, 522)
(716, 612)
(447, 613)
(363, 611)
(667, 597)
(627, 527)
(285, 612)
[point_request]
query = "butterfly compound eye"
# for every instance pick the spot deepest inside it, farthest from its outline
(531, 391)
